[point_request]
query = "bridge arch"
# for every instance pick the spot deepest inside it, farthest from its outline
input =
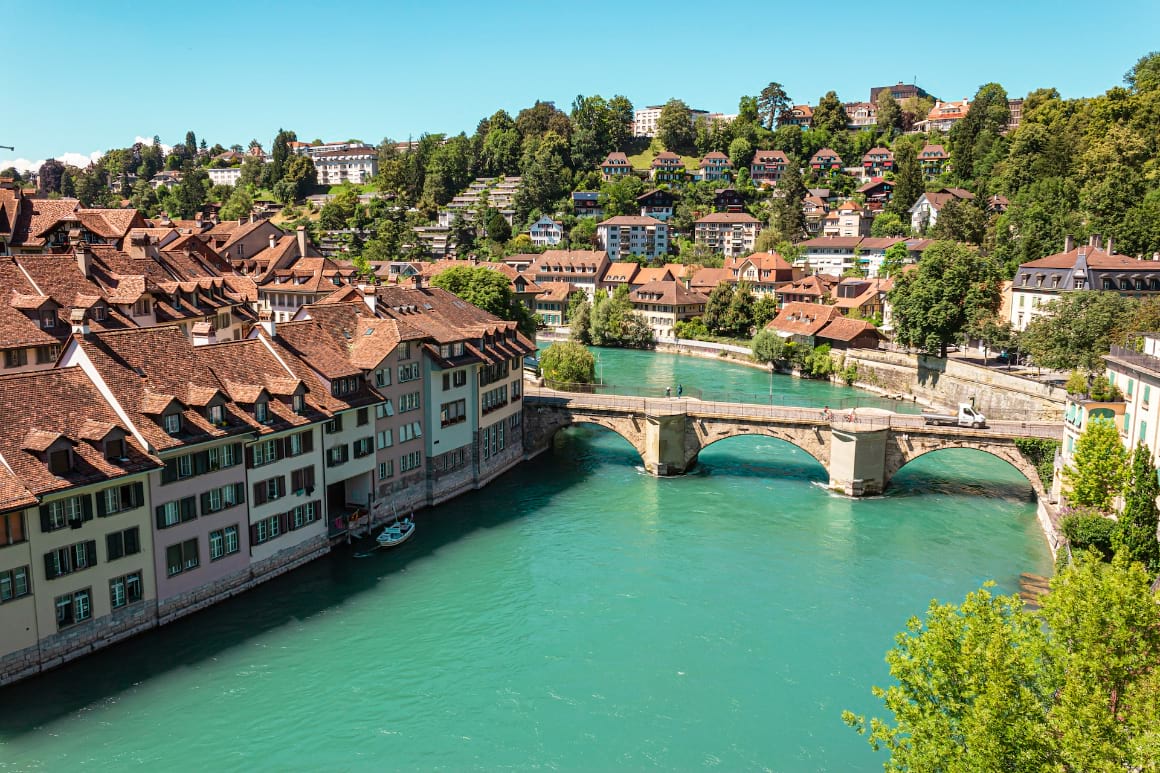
(548, 421)
(807, 441)
(1008, 453)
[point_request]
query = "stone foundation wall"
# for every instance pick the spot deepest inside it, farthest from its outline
(949, 382)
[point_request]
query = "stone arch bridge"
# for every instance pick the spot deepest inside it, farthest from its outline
(860, 450)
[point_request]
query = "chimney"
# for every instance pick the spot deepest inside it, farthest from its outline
(301, 234)
(273, 241)
(417, 281)
(79, 320)
(84, 260)
(204, 334)
(369, 298)
(242, 221)
(1111, 250)
(1095, 241)
(266, 320)
(1068, 243)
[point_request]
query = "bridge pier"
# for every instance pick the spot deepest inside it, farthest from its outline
(858, 460)
(666, 451)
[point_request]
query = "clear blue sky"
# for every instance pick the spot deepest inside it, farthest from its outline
(90, 76)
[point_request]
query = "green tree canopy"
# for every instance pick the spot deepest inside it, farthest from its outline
(488, 290)
(953, 286)
(568, 362)
(675, 127)
(1099, 467)
(772, 104)
(1078, 329)
(1136, 533)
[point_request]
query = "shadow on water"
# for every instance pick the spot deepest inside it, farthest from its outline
(759, 456)
(961, 471)
(308, 591)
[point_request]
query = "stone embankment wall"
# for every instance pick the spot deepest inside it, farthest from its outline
(950, 382)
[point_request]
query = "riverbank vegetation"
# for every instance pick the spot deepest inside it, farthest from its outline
(568, 363)
(609, 320)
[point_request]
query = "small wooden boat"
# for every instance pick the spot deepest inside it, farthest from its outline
(396, 533)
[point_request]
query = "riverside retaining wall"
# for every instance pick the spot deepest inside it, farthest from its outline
(950, 382)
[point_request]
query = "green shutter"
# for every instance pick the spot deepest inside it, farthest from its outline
(102, 505)
(138, 494)
(86, 508)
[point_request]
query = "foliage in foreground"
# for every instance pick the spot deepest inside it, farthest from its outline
(988, 685)
(568, 362)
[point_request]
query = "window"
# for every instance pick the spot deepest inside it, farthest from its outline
(223, 542)
(404, 350)
(223, 498)
(125, 590)
(115, 449)
(99, 313)
(453, 413)
(362, 416)
(73, 512)
(261, 411)
(122, 543)
(47, 319)
(12, 529)
(181, 557)
(302, 515)
(15, 584)
(119, 499)
(517, 390)
(69, 559)
(364, 447)
(514, 420)
(302, 480)
(60, 461)
(185, 467)
(172, 423)
(266, 529)
(384, 409)
(386, 470)
(410, 431)
(73, 608)
(334, 425)
(408, 372)
(141, 307)
(337, 455)
(410, 461)
(385, 439)
(298, 404)
(15, 358)
(175, 512)
(409, 402)
(47, 354)
(1147, 393)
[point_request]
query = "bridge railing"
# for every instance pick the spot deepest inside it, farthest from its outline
(728, 396)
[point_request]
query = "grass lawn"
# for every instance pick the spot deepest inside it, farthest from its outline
(643, 160)
(364, 188)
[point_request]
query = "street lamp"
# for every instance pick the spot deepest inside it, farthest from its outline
(771, 382)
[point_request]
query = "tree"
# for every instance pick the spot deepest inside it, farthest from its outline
(1077, 329)
(768, 346)
(583, 234)
(278, 155)
(488, 290)
(1099, 467)
(1145, 73)
(830, 115)
(238, 205)
(989, 685)
(889, 224)
(51, 176)
(568, 362)
(889, 113)
(985, 120)
(788, 219)
(618, 197)
(960, 221)
(772, 104)
(764, 311)
(498, 228)
(580, 318)
(675, 126)
(896, 256)
(546, 178)
(953, 286)
(908, 182)
(1136, 532)
(190, 193)
(298, 179)
(190, 144)
(716, 314)
(462, 234)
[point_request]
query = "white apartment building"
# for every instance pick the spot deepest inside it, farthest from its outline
(633, 235)
(731, 233)
(228, 176)
(354, 165)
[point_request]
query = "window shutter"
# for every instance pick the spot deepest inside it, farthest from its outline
(50, 566)
(200, 463)
(188, 509)
(132, 541)
(160, 514)
(138, 494)
(237, 454)
(296, 483)
(250, 457)
(309, 476)
(102, 505)
(91, 552)
(240, 493)
(45, 524)
(283, 523)
(169, 474)
(283, 446)
(308, 441)
(86, 508)
(281, 485)
(113, 546)
(260, 493)
(205, 502)
(253, 534)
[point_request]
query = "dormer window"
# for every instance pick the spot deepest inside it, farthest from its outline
(298, 403)
(141, 307)
(216, 415)
(99, 313)
(115, 449)
(47, 319)
(60, 461)
(172, 423)
(262, 411)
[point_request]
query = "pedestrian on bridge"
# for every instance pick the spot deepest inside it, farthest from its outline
(680, 389)
(668, 391)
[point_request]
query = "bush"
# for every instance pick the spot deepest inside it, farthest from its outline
(1086, 528)
(818, 363)
(568, 362)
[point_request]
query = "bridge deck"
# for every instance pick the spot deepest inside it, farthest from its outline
(866, 418)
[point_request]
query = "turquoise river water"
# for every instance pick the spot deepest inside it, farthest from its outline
(577, 614)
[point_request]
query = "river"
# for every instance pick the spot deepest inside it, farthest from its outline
(576, 614)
